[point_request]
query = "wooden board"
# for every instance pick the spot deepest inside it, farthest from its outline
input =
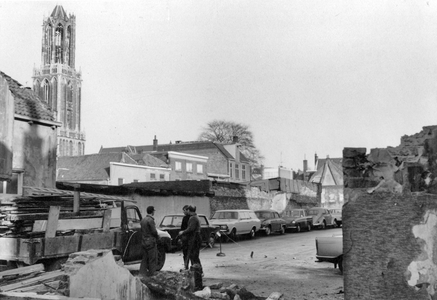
(69, 224)
(22, 270)
(52, 222)
(28, 295)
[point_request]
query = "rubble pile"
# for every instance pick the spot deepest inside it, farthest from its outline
(172, 286)
(33, 279)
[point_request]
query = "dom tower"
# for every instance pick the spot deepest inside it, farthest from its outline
(58, 83)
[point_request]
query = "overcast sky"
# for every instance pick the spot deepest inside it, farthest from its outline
(306, 76)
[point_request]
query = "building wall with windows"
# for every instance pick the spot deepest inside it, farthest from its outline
(121, 173)
(187, 166)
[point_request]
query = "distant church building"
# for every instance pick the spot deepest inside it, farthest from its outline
(58, 83)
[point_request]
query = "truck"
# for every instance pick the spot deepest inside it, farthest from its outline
(115, 225)
(297, 219)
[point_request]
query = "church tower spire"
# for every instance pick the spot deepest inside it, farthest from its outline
(58, 83)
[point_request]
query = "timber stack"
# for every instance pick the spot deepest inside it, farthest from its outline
(27, 216)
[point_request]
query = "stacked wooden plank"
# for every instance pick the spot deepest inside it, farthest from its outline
(33, 283)
(18, 216)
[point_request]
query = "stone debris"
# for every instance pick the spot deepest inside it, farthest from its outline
(205, 293)
(275, 296)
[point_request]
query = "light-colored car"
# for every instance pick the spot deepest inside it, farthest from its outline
(234, 222)
(336, 214)
(321, 217)
(330, 249)
(270, 221)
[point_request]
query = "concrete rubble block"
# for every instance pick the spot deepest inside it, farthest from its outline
(275, 296)
(389, 247)
(218, 295)
(216, 286)
(101, 277)
(205, 293)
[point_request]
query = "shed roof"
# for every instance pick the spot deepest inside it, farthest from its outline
(26, 102)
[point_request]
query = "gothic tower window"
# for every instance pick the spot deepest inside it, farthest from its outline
(48, 44)
(46, 93)
(59, 37)
(36, 87)
(67, 46)
(54, 93)
(69, 106)
(71, 148)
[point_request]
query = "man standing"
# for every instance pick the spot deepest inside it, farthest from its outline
(149, 244)
(194, 238)
(184, 239)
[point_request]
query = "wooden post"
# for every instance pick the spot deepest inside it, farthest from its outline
(76, 202)
(107, 220)
(52, 222)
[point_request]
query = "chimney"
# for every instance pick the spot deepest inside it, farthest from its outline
(316, 158)
(234, 139)
(155, 144)
(305, 165)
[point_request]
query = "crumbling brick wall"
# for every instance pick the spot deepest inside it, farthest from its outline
(390, 220)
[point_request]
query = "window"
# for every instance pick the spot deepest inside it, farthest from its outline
(13, 187)
(243, 171)
(199, 169)
(178, 166)
(237, 171)
(120, 181)
(230, 170)
(161, 177)
(189, 167)
(152, 176)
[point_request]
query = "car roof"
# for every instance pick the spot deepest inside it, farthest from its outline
(266, 210)
(181, 215)
(233, 210)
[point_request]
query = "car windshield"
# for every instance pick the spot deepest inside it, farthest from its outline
(313, 212)
(336, 211)
(171, 221)
(225, 215)
(262, 214)
(295, 213)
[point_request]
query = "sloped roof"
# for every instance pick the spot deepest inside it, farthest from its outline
(329, 173)
(188, 147)
(321, 161)
(89, 167)
(26, 102)
(59, 13)
(146, 159)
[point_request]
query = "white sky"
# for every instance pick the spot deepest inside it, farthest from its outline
(306, 76)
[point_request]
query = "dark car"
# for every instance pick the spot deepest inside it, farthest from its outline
(270, 221)
(297, 219)
(172, 224)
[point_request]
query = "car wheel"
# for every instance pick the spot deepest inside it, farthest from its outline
(340, 264)
(324, 224)
(211, 242)
(338, 223)
(298, 229)
(268, 231)
(282, 230)
(252, 233)
(232, 236)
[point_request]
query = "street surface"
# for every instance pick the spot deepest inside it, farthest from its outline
(280, 263)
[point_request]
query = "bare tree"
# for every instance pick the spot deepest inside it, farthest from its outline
(224, 131)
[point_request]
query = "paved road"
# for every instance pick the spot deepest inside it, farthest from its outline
(283, 263)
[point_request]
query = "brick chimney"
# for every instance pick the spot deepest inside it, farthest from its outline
(305, 165)
(234, 139)
(155, 144)
(316, 158)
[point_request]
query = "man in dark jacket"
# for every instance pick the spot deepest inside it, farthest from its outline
(149, 244)
(194, 238)
(184, 239)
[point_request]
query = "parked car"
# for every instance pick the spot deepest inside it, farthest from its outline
(172, 225)
(330, 249)
(297, 219)
(234, 222)
(336, 214)
(321, 217)
(271, 221)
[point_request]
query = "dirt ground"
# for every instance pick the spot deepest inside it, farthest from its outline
(284, 264)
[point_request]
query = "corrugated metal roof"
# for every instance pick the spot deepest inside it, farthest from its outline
(26, 102)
